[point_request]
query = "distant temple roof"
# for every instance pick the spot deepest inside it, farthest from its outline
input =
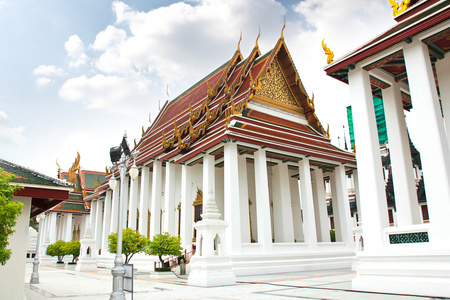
(45, 192)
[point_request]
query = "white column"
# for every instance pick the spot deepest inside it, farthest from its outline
(320, 206)
(341, 206)
(186, 208)
(262, 201)
(126, 192)
(134, 203)
(357, 195)
(306, 198)
(155, 220)
(209, 177)
(433, 144)
(296, 210)
(443, 75)
(169, 201)
(68, 228)
(98, 224)
(106, 221)
(115, 208)
(282, 208)
(370, 176)
(144, 200)
(92, 215)
(232, 207)
(407, 206)
(52, 226)
(243, 199)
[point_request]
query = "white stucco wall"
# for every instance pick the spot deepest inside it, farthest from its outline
(12, 274)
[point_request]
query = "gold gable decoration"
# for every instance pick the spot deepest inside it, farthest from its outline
(275, 92)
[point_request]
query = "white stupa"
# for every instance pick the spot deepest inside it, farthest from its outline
(211, 266)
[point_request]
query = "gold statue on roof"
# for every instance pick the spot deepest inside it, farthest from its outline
(73, 169)
(398, 9)
(328, 52)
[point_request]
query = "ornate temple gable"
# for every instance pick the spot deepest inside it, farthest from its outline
(280, 57)
(275, 92)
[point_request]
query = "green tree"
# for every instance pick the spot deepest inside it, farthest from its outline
(132, 242)
(9, 212)
(57, 249)
(164, 244)
(73, 248)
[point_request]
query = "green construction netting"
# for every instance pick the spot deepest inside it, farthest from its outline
(381, 122)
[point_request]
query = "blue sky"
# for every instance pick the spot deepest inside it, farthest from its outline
(75, 74)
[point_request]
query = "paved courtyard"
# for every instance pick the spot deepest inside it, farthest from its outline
(66, 283)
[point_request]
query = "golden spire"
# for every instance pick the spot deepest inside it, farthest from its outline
(59, 169)
(239, 43)
(282, 29)
(143, 131)
(398, 9)
(150, 117)
(73, 169)
(259, 34)
(328, 130)
(159, 104)
(167, 91)
(328, 52)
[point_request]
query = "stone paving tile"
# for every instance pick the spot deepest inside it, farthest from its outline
(64, 284)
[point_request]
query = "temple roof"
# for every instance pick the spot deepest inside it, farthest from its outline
(45, 192)
(223, 105)
(420, 17)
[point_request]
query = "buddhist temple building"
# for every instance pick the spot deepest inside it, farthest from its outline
(408, 67)
(67, 220)
(248, 135)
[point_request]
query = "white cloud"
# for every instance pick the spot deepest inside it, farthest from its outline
(48, 71)
(76, 51)
(43, 81)
(10, 137)
(111, 93)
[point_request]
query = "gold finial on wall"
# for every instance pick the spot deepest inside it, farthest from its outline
(398, 9)
(328, 52)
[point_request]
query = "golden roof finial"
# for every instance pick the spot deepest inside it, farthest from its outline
(107, 171)
(239, 43)
(167, 90)
(150, 117)
(59, 169)
(143, 131)
(159, 104)
(259, 34)
(135, 144)
(73, 169)
(328, 130)
(328, 52)
(282, 29)
(398, 9)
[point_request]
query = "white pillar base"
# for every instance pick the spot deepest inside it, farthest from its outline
(211, 271)
(422, 274)
(86, 264)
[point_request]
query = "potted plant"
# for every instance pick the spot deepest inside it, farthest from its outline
(73, 248)
(164, 244)
(57, 249)
(132, 242)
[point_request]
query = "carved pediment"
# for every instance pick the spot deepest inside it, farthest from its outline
(275, 92)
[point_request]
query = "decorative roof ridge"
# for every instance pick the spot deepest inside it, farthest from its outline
(55, 181)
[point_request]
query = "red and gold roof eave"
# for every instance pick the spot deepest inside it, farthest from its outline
(383, 42)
